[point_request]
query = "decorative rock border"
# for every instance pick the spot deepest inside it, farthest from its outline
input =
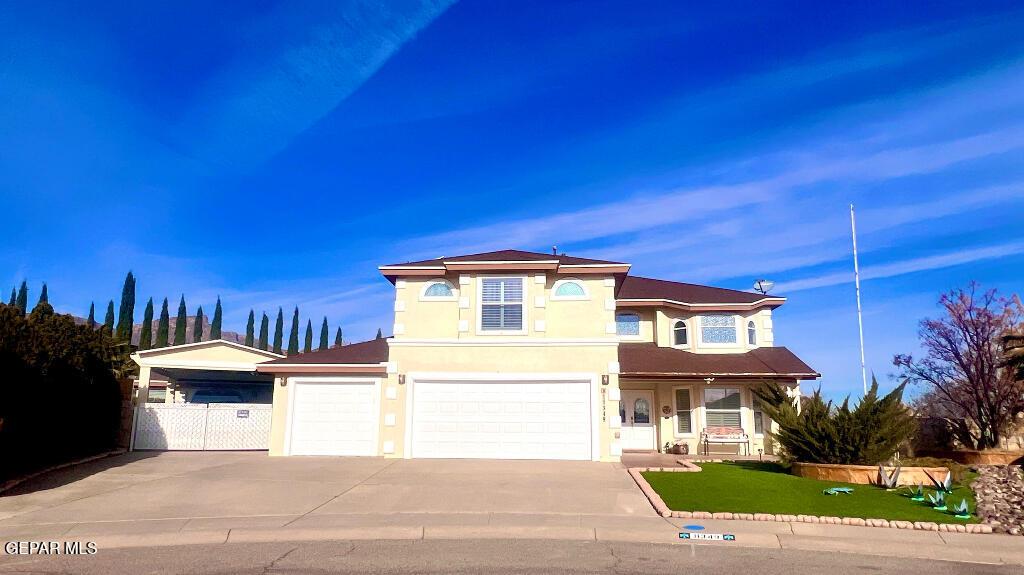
(664, 511)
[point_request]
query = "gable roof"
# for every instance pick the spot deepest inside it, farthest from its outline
(170, 349)
(507, 256)
(636, 288)
(372, 352)
(650, 360)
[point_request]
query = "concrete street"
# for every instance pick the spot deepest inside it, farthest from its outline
(241, 506)
(482, 556)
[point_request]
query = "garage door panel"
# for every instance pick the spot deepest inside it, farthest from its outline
(510, 419)
(334, 418)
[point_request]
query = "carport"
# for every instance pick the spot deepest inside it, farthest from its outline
(215, 398)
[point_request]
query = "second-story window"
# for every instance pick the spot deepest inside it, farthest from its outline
(751, 333)
(627, 324)
(718, 328)
(438, 290)
(569, 289)
(501, 304)
(679, 336)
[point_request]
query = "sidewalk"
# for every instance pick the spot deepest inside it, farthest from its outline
(991, 549)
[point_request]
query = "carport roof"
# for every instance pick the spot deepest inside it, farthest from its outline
(369, 355)
(647, 359)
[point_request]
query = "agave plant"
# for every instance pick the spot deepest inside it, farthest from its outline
(887, 480)
(938, 500)
(917, 494)
(945, 486)
(960, 510)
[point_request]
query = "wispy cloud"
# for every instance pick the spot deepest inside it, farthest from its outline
(903, 267)
(250, 112)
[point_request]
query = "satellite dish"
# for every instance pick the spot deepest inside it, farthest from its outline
(764, 286)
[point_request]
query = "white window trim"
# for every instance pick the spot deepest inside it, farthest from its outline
(705, 410)
(639, 321)
(689, 334)
(753, 418)
(480, 306)
(736, 322)
(747, 325)
(675, 413)
(559, 283)
(427, 285)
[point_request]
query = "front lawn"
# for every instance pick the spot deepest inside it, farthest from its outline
(752, 487)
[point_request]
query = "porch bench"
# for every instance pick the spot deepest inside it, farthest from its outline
(725, 435)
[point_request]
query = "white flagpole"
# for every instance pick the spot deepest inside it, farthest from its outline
(860, 316)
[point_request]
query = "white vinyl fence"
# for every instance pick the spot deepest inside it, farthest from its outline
(200, 427)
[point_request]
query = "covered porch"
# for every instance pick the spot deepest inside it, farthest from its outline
(671, 397)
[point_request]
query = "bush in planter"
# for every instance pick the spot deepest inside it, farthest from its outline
(868, 434)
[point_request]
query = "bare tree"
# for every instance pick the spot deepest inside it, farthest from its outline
(963, 369)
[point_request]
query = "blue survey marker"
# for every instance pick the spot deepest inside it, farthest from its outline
(693, 527)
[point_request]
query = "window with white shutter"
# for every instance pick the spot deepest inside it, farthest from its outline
(501, 305)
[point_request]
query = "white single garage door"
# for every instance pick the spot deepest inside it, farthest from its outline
(502, 419)
(329, 417)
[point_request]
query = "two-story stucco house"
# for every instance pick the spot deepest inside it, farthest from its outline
(514, 354)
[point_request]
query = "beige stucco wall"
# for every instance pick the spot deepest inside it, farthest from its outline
(544, 317)
(664, 395)
(657, 325)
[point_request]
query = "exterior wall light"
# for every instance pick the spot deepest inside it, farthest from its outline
(604, 379)
(401, 379)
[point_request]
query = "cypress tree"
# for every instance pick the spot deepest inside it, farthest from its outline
(146, 335)
(164, 327)
(14, 297)
(250, 329)
(380, 334)
(43, 296)
(91, 321)
(126, 315)
(309, 337)
(108, 321)
(293, 334)
(43, 305)
(279, 331)
(324, 335)
(338, 342)
(264, 332)
(218, 314)
(181, 324)
(22, 302)
(197, 327)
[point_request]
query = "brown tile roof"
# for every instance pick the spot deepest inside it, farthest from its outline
(649, 359)
(374, 351)
(507, 256)
(635, 287)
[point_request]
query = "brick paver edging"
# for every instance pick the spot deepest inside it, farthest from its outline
(664, 511)
(12, 483)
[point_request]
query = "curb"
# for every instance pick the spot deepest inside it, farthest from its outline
(662, 509)
(12, 483)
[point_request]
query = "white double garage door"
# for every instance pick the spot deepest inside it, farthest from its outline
(493, 419)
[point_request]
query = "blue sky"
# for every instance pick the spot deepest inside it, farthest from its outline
(275, 153)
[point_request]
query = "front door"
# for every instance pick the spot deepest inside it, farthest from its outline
(637, 412)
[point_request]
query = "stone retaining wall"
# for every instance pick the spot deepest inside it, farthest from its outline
(999, 491)
(865, 474)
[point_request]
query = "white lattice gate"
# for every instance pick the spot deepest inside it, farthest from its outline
(198, 427)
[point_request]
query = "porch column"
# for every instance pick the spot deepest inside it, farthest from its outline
(143, 394)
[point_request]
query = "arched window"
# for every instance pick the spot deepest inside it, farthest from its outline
(438, 289)
(679, 333)
(751, 333)
(641, 411)
(627, 324)
(569, 288)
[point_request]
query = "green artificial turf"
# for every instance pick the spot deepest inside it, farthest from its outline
(752, 487)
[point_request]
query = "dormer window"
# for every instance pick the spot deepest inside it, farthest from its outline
(679, 335)
(627, 324)
(568, 289)
(751, 333)
(438, 290)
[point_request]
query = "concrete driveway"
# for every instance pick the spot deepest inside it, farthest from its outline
(170, 490)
